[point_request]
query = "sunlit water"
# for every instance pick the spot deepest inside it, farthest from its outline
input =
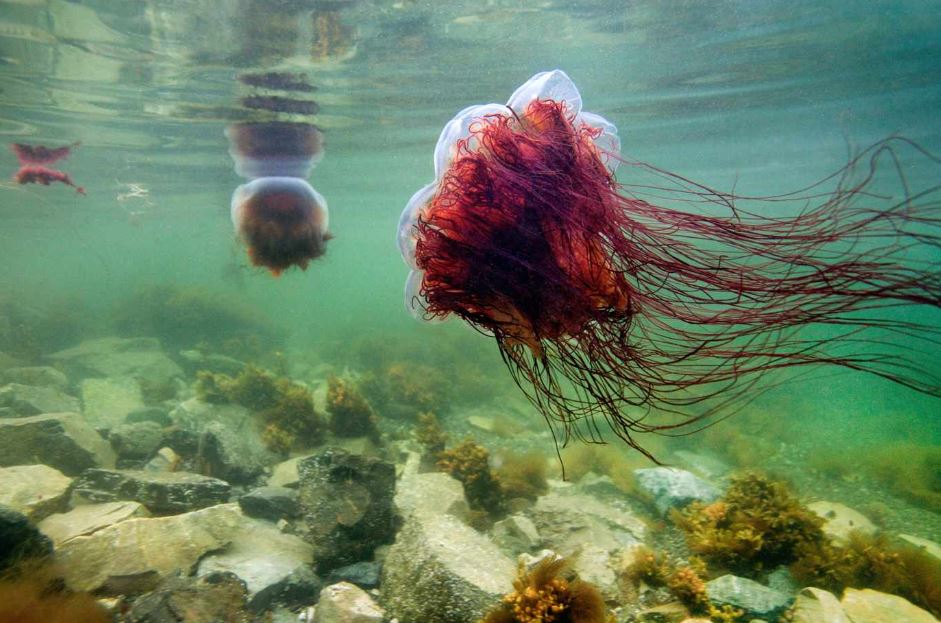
(757, 95)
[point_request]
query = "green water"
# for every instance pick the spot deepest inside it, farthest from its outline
(761, 96)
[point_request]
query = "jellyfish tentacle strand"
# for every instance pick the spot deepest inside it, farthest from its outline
(606, 305)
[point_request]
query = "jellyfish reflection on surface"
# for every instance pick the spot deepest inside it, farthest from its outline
(279, 216)
(605, 305)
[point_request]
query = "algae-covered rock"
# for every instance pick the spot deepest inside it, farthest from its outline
(161, 492)
(271, 503)
(19, 539)
(756, 600)
(441, 570)
(346, 603)
(24, 400)
(134, 555)
(34, 490)
(346, 506)
(60, 440)
(216, 598)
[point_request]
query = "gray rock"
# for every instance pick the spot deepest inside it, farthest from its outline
(209, 599)
(753, 598)
(158, 415)
(161, 492)
(275, 567)
(669, 487)
(61, 440)
(346, 506)
(19, 539)
(139, 358)
(433, 492)
(441, 570)
(783, 581)
(516, 534)
(347, 603)
(24, 400)
(165, 460)
(136, 554)
(869, 606)
(138, 441)
(107, 402)
(284, 474)
(87, 519)
(235, 455)
(42, 376)
(814, 605)
(363, 574)
(219, 364)
(34, 490)
(840, 521)
(271, 503)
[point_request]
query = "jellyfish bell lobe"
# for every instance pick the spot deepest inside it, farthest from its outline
(275, 148)
(282, 220)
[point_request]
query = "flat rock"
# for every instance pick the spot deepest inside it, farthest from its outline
(23, 400)
(87, 519)
(869, 606)
(840, 521)
(815, 605)
(347, 603)
(755, 599)
(434, 492)
(669, 487)
(140, 358)
(107, 402)
(161, 492)
(928, 546)
(19, 539)
(275, 567)
(61, 440)
(34, 490)
(271, 503)
(135, 554)
(346, 506)
(284, 474)
(42, 376)
(441, 570)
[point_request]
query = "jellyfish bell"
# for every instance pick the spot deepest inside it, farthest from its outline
(606, 306)
(283, 221)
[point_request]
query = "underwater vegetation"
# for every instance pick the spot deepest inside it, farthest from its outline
(760, 524)
(350, 412)
(469, 462)
(193, 317)
(34, 593)
(430, 435)
(284, 408)
(549, 593)
(612, 461)
(522, 475)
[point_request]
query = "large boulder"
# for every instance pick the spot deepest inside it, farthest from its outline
(137, 441)
(136, 554)
(23, 400)
(42, 376)
(346, 506)
(815, 605)
(19, 539)
(441, 570)
(87, 519)
(34, 490)
(107, 402)
(869, 606)
(61, 440)
(163, 493)
(209, 599)
(275, 567)
(141, 358)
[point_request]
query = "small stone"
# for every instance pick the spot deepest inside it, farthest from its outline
(34, 490)
(25, 400)
(19, 539)
(814, 605)
(161, 492)
(87, 519)
(363, 574)
(673, 612)
(753, 598)
(869, 606)
(271, 503)
(840, 521)
(165, 460)
(346, 603)
(60, 440)
(669, 487)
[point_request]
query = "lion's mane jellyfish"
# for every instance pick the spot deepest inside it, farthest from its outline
(33, 160)
(607, 306)
(279, 216)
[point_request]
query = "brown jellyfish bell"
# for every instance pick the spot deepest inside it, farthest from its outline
(278, 215)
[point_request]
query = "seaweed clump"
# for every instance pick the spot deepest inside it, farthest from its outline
(549, 593)
(469, 462)
(285, 409)
(33, 593)
(523, 475)
(350, 413)
(757, 525)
